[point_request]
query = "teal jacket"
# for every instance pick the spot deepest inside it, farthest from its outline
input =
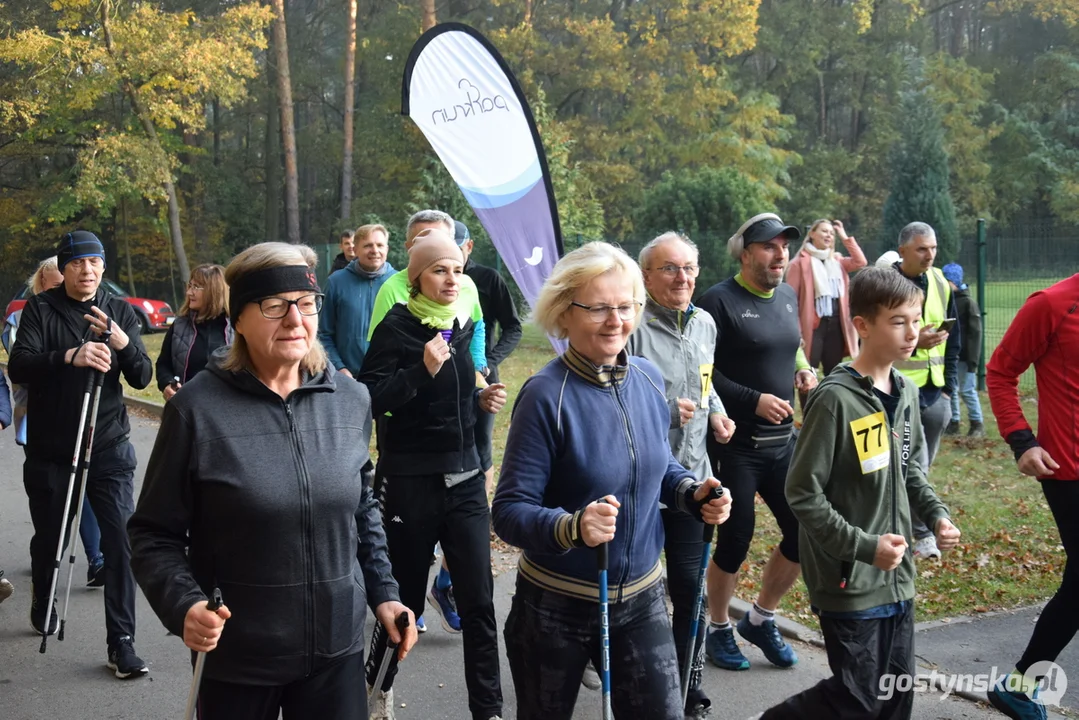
(846, 486)
(345, 319)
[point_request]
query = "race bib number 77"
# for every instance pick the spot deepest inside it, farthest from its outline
(871, 442)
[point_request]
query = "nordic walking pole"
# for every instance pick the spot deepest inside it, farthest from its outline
(604, 633)
(98, 379)
(387, 655)
(698, 603)
(200, 662)
(67, 505)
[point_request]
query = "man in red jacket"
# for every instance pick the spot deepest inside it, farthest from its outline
(1045, 333)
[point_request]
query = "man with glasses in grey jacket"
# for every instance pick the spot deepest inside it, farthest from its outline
(680, 340)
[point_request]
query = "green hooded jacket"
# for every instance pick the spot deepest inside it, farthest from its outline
(846, 486)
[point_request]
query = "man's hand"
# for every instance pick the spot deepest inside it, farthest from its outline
(715, 511)
(202, 627)
(598, 521)
(928, 338)
(722, 428)
(93, 355)
(170, 390)
(805, 380)
(99, 321)
(686, 408)
(1036, 462)
(947, 534)
(890, 551)
(387, 613)
(493, 398)
(773, 409)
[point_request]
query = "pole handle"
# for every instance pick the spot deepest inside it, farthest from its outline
(215, 600)
(714, 494)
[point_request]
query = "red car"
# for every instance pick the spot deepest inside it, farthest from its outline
(153, 314)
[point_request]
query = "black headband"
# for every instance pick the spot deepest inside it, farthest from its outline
(267, 283)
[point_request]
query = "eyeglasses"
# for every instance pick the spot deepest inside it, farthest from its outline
(275, 308)
(195, 288)
(672, 270)
(599, 313)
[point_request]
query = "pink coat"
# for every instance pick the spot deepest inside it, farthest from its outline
(800, 277)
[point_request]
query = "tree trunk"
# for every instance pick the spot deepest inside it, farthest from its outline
(288, 126)
(350, 100)
(217, 131)
(151, 132)
(127, 248)
(528, 14)
(823, 106)
(429, 19)
(271, 157)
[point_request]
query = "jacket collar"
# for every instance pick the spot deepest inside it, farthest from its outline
(675, 318)
(603, 376)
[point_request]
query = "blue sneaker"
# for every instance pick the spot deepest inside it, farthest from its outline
(766, 636)
(1015, 704)
(421, 626)
(722, 650)
(442, 600)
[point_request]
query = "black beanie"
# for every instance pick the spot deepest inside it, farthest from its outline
(78, 244)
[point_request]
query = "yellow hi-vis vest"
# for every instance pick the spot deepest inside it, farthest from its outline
(926, 365)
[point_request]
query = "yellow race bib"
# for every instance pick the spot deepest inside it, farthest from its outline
(871, 442)
(706, 383)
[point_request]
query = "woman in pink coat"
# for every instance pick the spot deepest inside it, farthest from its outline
(819, 275)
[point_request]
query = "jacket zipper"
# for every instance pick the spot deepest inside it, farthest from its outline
(190, 347)
(309, 561)
(460, 423)
(630, 495)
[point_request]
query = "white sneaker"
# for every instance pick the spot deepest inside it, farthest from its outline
(590, 679)
(383, 704)
(6, 588)
(926, 548)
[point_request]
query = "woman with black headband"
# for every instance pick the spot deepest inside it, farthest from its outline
(255, 487)
(419, 369)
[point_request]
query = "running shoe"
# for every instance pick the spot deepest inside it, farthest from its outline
(95, 574)
(421, 626)
(766, 636)
(383, 705)
(722, 650)
(926, 549)
(442, 600)
(37, 615)
(124, 662)
(590, 678)
(6, 588)
(1016, 705)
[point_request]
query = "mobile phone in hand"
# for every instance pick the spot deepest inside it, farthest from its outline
(946, 326)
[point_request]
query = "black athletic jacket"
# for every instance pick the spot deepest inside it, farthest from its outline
(264, 498)
(430, 428)
(51, 324)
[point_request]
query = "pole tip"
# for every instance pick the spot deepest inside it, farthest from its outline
(42, 648)
(60, 635)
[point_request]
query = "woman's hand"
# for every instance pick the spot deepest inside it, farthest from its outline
(435, 352)
(387, 613)
(493, 398)
(840, 231)
(715, 511)
(202, 627)
(170, 390)
(598, 521)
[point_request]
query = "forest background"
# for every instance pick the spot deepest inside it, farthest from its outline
(182, 132)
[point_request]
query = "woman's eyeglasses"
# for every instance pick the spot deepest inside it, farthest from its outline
(599, 313)
(275, 308)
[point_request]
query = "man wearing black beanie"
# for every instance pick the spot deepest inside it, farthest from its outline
(56, 352)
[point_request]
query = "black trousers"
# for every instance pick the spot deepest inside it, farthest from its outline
(550, 637)
(419, 511)
(829, 347)
(110, 488)
(682, 547)
(746, 471)
(330, 693)
(485, 428)
(860, 652)
(1058, 622)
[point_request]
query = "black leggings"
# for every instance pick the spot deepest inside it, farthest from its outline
(745, 472)
(1058, 622)
(829, 347)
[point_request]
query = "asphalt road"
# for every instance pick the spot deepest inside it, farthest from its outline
(71, 682)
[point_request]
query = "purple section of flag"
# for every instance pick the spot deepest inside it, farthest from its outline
(521, 232)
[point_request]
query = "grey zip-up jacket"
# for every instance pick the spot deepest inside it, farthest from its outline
(264, 498)
(682, 345)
